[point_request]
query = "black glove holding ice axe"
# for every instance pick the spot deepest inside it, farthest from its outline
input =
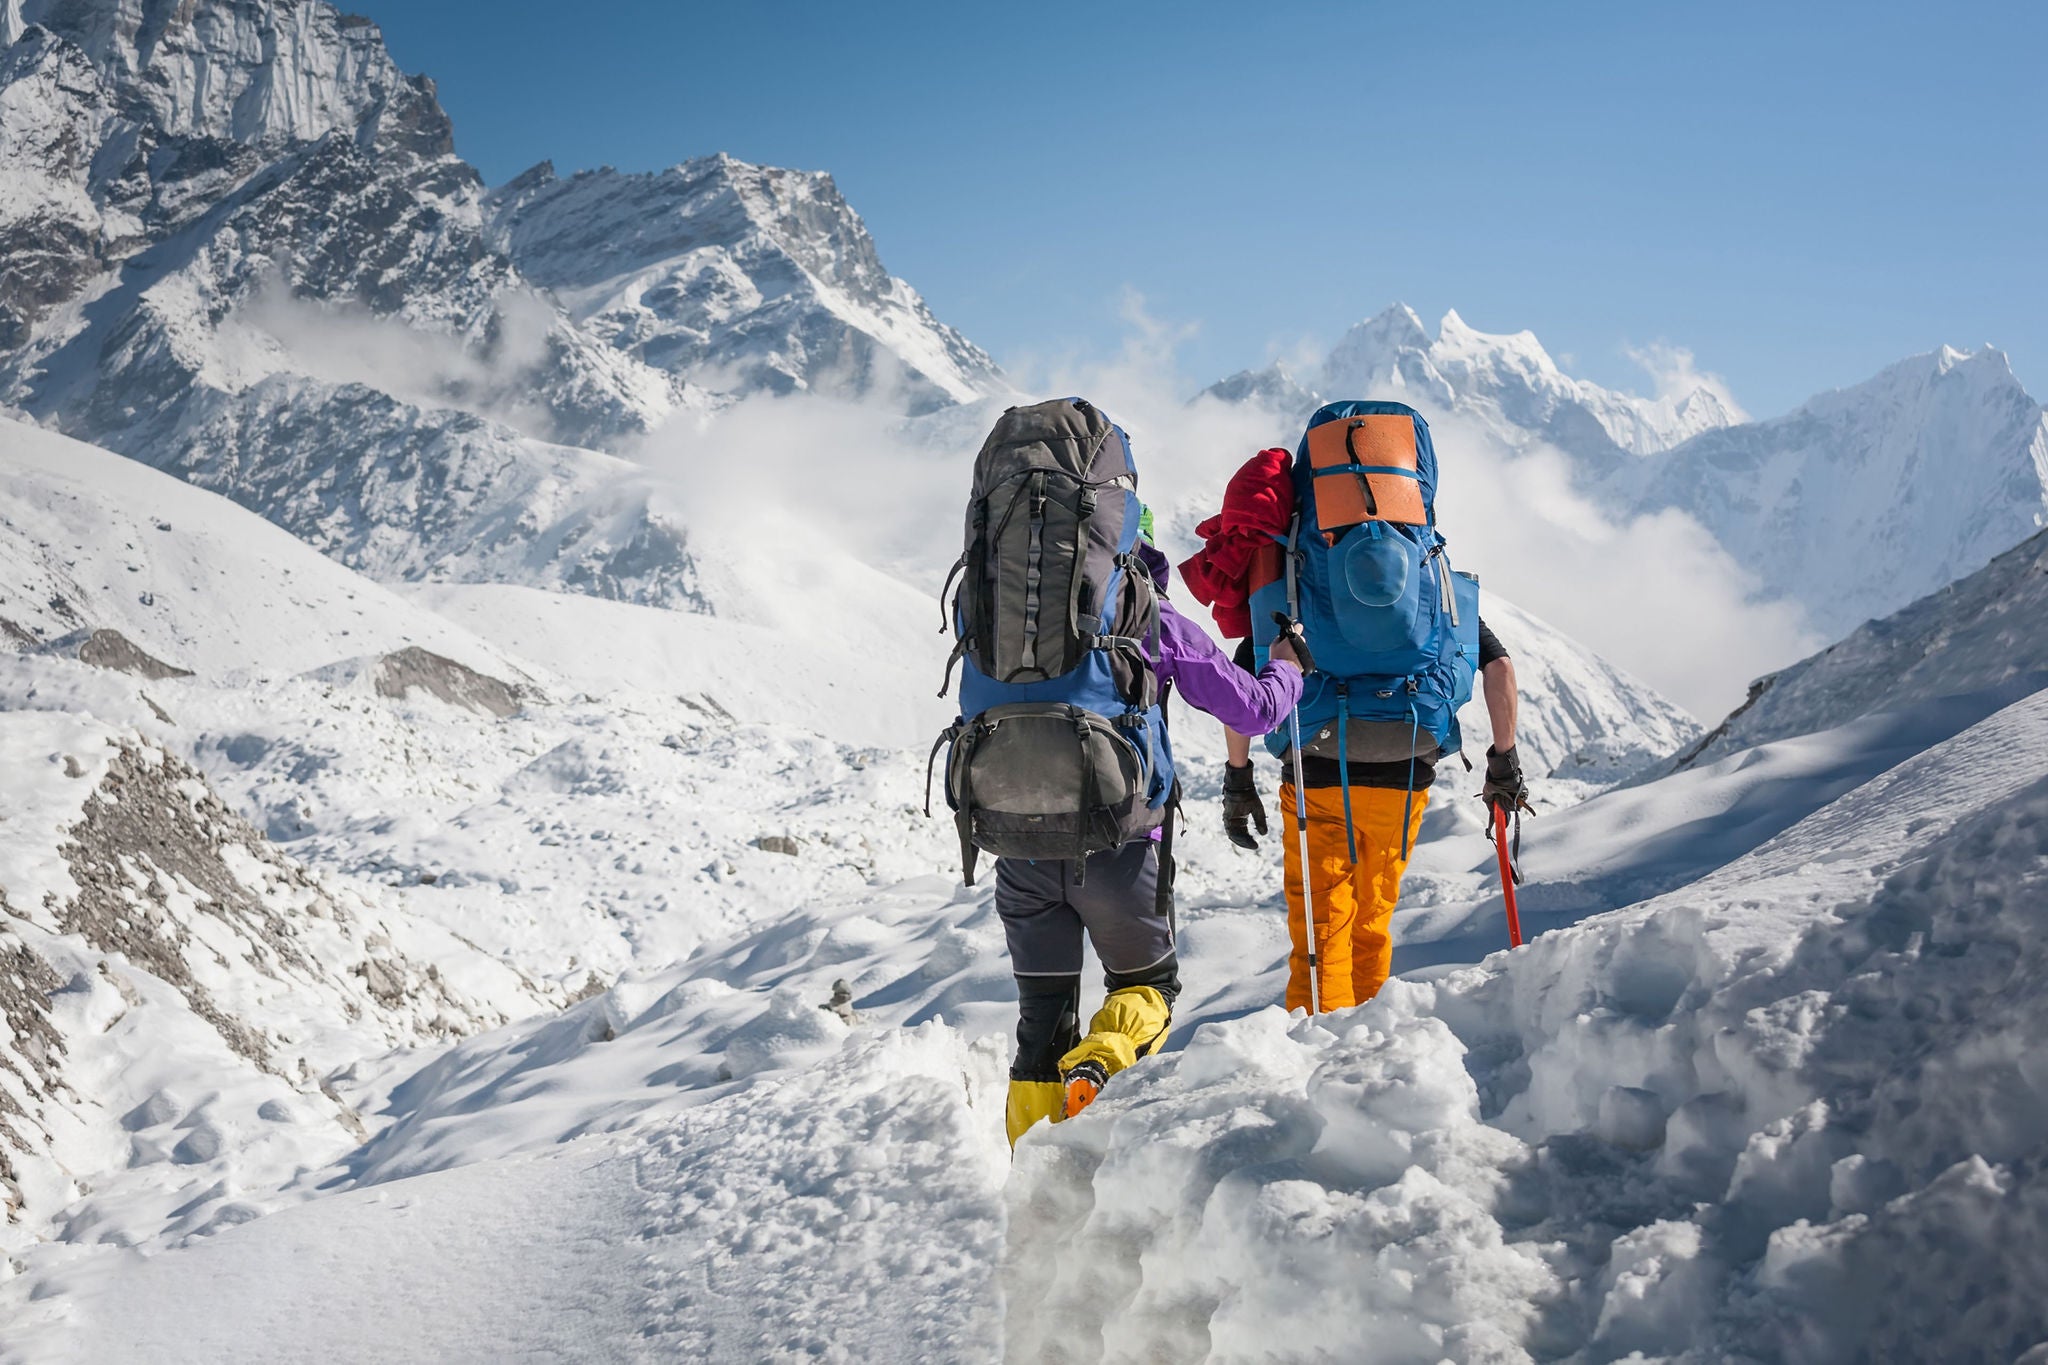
(1505, 790)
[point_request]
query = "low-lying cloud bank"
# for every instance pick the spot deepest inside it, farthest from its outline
(1656, 594)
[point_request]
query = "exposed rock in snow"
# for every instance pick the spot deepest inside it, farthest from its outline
(130, 896)
(413, 669)
(112, 649)
(267, 75)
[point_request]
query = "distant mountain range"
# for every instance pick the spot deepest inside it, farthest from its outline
(237, 244)
(1852, 505)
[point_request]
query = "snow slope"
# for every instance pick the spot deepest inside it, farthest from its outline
(1784, 1113)
(1864, 499)
(1600, 1144)
(1582, 718)
(1981, 631)
(91, 541)
(791, 1223)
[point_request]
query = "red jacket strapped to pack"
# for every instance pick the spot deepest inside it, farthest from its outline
(1241, 549)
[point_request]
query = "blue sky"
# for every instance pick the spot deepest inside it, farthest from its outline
(1799, 194)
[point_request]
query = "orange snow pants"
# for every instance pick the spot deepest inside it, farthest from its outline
(1353, 905)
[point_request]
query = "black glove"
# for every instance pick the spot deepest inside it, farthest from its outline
(1505, 790)
(1241, 805)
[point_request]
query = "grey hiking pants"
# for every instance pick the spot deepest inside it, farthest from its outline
(1117, 906)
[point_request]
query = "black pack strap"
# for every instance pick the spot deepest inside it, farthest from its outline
(963, 820)
(1372, 506)
(1294, 570)
(946, 736)
(952, 576)
(1167, 867)
(1089, 787)
(952, 662)
(1034, 572)
(963, 812)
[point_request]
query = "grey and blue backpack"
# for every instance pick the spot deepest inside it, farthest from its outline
(1060, 750)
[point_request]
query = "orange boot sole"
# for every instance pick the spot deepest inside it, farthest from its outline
(1084, 1083)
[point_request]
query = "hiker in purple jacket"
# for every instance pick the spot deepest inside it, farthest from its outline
(1120, 905)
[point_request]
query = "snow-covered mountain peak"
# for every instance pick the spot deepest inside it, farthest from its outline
(1984, 374)
(1507, 381)
(716, 268)
(1386, 333)
(1455, 337)
(235, 242)
(1865, 498)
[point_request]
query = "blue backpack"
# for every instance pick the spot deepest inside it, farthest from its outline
(1394, 630)
(1061, 749)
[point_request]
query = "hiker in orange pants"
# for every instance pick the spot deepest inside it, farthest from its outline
(1353, 903)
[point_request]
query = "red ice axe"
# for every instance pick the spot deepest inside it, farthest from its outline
(1508, 875)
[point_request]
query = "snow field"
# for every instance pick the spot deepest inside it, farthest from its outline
(91, 540)
(1693, 1126)
(1787, 1112)
(793, 1221)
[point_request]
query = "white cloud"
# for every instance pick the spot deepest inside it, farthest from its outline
(1656, 595)
(1675, 375)
(339, 342)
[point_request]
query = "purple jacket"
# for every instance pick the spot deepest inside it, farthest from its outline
(1207, 677)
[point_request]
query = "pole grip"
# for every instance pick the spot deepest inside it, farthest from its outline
(1290, 631)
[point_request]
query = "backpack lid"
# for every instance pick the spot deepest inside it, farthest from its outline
(1366, 460)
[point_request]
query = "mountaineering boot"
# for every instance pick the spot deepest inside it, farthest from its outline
(1131, 1024)
(1084, 1083)
(1029, 1102)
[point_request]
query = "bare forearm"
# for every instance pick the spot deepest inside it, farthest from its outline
(1503, 702)
(1237, 747)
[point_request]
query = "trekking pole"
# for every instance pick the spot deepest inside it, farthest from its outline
(1507, 875)
(1290, 631)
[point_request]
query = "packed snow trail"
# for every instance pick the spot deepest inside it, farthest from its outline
(848, 1212)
